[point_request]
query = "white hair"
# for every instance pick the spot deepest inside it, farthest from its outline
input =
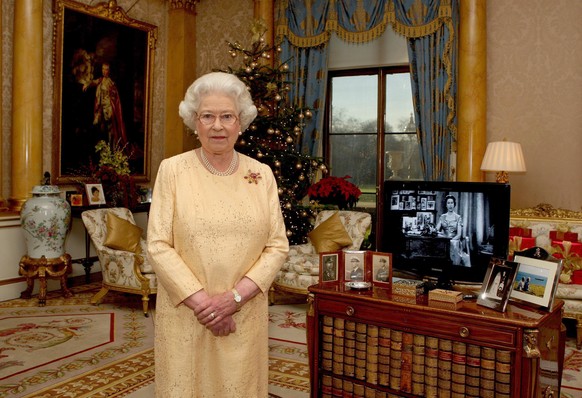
(223, 83)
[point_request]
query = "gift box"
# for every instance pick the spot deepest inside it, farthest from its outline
(407, 287)
(518, 231)
(567, 247)
(560, 235)
(518, 243)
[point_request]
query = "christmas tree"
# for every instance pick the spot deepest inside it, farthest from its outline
(274, 136)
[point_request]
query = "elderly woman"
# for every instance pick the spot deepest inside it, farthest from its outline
(216, 239)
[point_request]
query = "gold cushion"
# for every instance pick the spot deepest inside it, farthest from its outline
(330, 235)
(122, 234)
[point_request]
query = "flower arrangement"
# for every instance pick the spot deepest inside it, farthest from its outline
(114, 174)
(335, 191)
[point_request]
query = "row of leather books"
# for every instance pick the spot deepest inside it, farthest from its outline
(409, 362)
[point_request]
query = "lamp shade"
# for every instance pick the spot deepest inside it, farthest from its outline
(503, 156)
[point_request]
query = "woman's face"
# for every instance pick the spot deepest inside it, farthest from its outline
(215, 137)
(450, 204)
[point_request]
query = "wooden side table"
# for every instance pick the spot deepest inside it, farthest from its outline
(43, 269)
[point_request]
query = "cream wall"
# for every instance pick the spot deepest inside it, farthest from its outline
(534, 84)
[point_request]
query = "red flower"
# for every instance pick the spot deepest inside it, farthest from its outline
(334, 190)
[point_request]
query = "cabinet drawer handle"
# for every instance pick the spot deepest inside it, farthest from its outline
(464, 331)
(350, 310)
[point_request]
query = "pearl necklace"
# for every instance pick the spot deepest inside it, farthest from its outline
(213, 170)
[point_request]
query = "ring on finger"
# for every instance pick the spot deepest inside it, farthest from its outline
(212, 315)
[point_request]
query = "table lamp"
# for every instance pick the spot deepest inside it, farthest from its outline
(503, 157)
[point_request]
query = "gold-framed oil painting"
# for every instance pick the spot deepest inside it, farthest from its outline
(103, 76)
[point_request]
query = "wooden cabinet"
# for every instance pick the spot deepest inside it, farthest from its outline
(375, 344)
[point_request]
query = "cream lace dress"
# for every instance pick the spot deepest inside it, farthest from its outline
(208, 232)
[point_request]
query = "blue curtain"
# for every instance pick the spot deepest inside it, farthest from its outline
(432, 60)
(308, 82)
(305, 27)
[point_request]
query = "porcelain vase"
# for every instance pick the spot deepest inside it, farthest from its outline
(45, 219)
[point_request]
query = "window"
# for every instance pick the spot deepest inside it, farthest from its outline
(370, 129)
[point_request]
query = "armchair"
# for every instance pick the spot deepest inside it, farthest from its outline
(122, 254)
(301, 268)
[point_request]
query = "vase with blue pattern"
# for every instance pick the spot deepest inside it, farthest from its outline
(45, 219)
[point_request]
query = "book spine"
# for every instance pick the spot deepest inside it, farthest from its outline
(406, 363)
(359, 391)
(473, 370)
(372, 355)
(503, 373)
(361, 339)
(395, 359)
(431, 367)
(326, 386)
(327, 344)
(350, 349)
(384, 356)
(337, 387)
(418, 355)
(487, 385)
(445, 362)
(459, 369)
(338, 346)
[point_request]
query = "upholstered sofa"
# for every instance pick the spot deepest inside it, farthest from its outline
(547, 227)
(301, 269)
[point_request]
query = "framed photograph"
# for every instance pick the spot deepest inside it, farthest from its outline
(536, 281)
(430, 204)
(497, 284)
(381, 264)
(95, 195)
(394, 202)
(329, 267)
(354, 266)
(76, 199)
(103, 64)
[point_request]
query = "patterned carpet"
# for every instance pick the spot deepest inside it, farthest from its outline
(70, 348)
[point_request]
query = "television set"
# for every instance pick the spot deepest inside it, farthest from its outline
(445, 231)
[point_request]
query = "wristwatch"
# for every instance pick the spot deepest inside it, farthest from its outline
(237, 298)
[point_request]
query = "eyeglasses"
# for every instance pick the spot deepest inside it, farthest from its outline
(226, 119)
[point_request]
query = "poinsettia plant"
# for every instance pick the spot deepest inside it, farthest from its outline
(336, 191)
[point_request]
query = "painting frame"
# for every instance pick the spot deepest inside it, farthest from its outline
(547, 274)
(99, 49)
(91, 190)
(497, 284)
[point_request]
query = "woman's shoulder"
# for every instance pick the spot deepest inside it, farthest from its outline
(253, 164)
(179, 158)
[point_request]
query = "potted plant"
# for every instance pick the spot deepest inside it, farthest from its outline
(336, 191)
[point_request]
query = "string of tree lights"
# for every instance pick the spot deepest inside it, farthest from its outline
(274, 136)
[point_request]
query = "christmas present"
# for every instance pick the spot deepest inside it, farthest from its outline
(566, 248)
(561, 235)
(449, 296)
(520, 243)
(518, 231)
(407, 287)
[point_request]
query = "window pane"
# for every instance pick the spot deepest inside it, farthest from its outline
(355, 155)
(354, 104)
(402, 158)
(399, 110)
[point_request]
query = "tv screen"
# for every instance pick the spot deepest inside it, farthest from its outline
(445, 230)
